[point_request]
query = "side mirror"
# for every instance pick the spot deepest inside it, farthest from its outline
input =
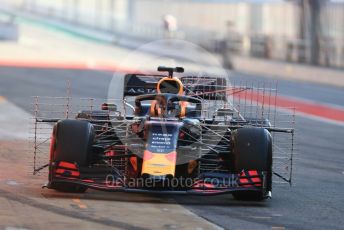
(224, 112)
(109, 107)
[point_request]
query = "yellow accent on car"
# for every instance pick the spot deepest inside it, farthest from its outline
(158, 164)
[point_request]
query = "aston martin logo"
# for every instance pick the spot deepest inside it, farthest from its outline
(140, 90)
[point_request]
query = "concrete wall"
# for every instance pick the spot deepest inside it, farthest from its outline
(266, 29)
(267, 18)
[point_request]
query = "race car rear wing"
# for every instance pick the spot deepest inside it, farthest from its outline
(138, 84)
(206, 88)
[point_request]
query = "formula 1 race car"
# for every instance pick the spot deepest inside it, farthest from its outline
(183, 135)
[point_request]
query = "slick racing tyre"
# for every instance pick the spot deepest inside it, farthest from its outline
(252, 150)
(73, 141)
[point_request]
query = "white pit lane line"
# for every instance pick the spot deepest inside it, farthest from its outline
(14, 121)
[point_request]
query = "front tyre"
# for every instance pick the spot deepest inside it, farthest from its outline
(72, 142)
(252, 150)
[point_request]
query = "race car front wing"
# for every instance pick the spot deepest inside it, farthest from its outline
(205, 184)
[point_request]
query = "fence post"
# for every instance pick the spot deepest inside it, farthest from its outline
(76, 11)
(97, 12)
(111, 15)
(66, 10)
(33, 5)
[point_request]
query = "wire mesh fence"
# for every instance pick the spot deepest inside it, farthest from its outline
(245, 105)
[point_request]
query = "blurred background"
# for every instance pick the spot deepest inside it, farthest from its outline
(301, 31)
(56, 48)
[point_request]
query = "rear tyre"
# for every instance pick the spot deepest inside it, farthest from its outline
(73, 141)
(252, 150)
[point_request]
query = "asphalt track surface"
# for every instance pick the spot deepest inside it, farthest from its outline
(315, 201)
